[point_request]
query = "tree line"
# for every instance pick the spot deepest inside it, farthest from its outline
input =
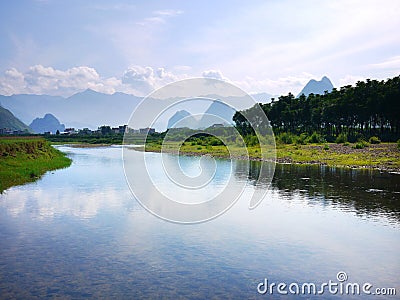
(370, 108)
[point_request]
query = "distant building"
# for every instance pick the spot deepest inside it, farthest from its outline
(16, 132)
(115, 129)
(217, 125)
(70, 131)
(7, 131)
(131, 130)
(123, 129)
(85, 131)
(147, 130)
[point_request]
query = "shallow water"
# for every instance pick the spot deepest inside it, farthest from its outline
(79, 233)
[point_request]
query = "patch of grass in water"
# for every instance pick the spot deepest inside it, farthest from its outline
(26, 160)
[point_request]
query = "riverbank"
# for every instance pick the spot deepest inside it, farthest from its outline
(383, 156)
(25, 160)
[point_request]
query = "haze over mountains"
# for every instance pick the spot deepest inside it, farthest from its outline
(86, 109)
(92, 109)
(217, 113)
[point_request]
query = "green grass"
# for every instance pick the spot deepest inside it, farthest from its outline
(26, 160)
(382, 156)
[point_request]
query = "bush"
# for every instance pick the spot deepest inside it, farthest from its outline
(360, 145)
(302, 139)
(346, 144)
(374, 140)
(316, 138)
(355, 137)
(398, 144)
(326, 147)
(251, 140)
(216, 142)
(286, 138)
(341, 138)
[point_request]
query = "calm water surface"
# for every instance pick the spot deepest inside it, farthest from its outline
(79, 233)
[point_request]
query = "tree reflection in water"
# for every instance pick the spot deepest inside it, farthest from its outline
(366, 192)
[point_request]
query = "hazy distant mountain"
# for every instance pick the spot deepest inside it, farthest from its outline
(182, 118)
(9, 121)
(317, 87)
(86, 109)
(263, 97)
(92, 109)
(47, 123)
(217, 113)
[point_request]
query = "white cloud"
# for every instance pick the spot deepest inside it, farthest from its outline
(214, 74)
(47, 80)
(39, 79)
(168, 12)
(350, 80)
(392, 63)
(160, 17)
(333, 37)
(12, 82)
(143, 80)
(278, 86)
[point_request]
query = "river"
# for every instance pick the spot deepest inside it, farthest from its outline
(79, 233)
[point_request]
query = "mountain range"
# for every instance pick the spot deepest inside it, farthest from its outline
(92, 109)
(86, 109)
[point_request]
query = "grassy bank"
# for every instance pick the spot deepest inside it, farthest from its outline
(383, 156)
(27, 159)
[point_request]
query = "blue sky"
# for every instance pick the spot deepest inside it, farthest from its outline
(62, 47)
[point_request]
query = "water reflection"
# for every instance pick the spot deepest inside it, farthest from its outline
(93, 184)
(367, 192)
(78, 233)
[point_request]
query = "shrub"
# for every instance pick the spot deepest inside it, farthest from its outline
(251, 140)
(326, 147)
(341, 138)
(398, 144)
(355, 137)
(286, 138)
(346, 144)
(215, 142)
(301, 139)
(374, 140)
(316, 138)
(360, 145)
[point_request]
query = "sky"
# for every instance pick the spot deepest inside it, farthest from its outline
(62, 47)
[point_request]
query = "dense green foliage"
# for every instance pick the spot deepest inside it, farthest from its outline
(86, 139)
(26, 159)
(370, 108)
